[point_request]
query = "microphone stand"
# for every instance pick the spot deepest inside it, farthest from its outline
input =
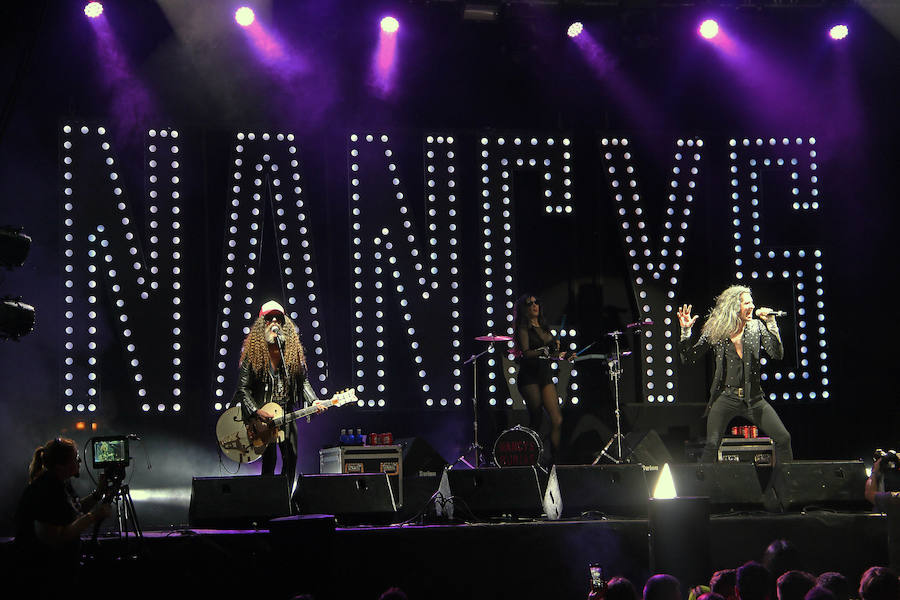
(474, 446)
(615, 373)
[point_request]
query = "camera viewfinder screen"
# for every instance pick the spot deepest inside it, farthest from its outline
(110, 451)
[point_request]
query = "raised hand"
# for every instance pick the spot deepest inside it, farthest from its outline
(684, 317)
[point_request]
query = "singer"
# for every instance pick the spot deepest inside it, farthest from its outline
(273, 369)
(736, 339)
(534, 345)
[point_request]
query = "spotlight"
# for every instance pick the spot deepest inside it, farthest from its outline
(665, 484)
(244, 16)
(709, 29)
(575, 29)
(838, 32)
(14, 246)
(16, 318)
(390, 25)
(93, 9)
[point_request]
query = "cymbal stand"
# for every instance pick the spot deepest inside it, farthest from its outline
(474, 447)
(615, 373)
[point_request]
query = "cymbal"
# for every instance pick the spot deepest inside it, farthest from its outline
(639, 323)
(494, 338)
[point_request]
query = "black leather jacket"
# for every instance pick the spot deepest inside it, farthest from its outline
(756, 337)
(254, 389)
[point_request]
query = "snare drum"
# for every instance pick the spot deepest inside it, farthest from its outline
(518, 447)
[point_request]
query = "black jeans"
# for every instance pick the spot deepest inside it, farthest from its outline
(288, 455)
(760, 413)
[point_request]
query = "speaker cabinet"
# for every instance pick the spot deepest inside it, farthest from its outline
(485, 493)
(576, 490)
(827, 484)
(419, 458)
(351, 498)
(729, 486)
(235, 502)
(646, 448)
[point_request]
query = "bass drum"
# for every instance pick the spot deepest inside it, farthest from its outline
(518, 447)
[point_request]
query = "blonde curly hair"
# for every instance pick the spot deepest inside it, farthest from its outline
(724, 319)
(256, 350)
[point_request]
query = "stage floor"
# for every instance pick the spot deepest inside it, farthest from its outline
(524, 559)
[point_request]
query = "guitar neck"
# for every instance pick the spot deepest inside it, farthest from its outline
(293, 416)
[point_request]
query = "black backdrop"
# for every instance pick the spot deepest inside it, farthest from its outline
(519, 76)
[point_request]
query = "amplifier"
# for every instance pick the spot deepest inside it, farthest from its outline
(365, 459)
(757, 451)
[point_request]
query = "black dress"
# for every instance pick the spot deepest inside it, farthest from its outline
(534, 369)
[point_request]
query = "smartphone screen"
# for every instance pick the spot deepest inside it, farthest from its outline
(596, 575)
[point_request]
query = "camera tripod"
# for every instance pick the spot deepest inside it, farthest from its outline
(126, 517)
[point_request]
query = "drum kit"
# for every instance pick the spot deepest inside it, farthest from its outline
(520, 446)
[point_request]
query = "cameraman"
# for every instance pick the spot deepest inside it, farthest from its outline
(875, 483)
(50, 517)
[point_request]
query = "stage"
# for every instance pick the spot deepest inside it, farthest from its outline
(525, 559)
(515, 532)
(398, 176)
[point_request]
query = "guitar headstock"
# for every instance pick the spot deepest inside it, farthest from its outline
(345, 396)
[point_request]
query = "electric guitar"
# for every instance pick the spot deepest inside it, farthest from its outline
(244, 441)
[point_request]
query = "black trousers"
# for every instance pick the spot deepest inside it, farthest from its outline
(288, 455)
(760, 413)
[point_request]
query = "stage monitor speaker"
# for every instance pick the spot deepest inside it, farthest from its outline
(351, 498)
(234, 502)
(419, 458)
(825, 484)
(485, 493)
(574, 490)
(729, 486)
(646, 448)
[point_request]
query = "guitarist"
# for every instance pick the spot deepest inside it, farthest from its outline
(273, 369)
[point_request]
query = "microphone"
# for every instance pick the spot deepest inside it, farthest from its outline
(775, 313)
(279, 335)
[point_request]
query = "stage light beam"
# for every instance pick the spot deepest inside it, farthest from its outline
(244, 16)
(708, 29)
(665, 485)
(838, 32)
(390, 25)
(93, 10)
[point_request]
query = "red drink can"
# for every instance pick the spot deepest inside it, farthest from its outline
(736, 431)
(746, 431)
(387, 439)
(373, 439)
(754, 431)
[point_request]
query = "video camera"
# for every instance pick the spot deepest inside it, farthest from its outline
(111, 453)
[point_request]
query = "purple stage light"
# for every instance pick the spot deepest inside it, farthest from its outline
(244, 16)
(708, 29)
(93, 9)
(390, 25)
(839, 32)
(575, 29)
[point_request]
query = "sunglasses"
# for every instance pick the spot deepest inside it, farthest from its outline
(531, 302)
(274, 316)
